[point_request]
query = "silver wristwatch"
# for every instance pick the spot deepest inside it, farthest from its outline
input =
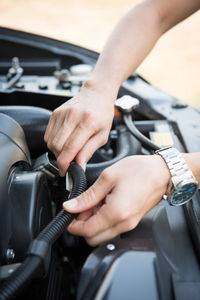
(184, 183)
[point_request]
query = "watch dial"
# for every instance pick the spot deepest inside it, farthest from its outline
(183, 194)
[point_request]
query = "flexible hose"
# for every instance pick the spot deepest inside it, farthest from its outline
(136, 133)
(31, 265)
(126, 145)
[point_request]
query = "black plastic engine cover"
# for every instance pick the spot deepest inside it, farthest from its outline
(30, 209)
(34, 121)
(13, 151)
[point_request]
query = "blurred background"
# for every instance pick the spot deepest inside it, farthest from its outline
(173, 65)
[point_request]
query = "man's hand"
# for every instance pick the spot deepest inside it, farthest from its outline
(119, 198)
(80, 126)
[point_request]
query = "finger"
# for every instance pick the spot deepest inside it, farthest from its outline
(70, 149)
(97, 223)
(95, 142)
(49, 127)
(107, 216)
(57, 122)
(110, 214)
(102, 237)
(61, 133)
(93, 196)
(74, 143)
(84, 216)
(113, 231)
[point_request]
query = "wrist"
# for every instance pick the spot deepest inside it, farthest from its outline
(101, 87)
(164, 175)
(184, 172)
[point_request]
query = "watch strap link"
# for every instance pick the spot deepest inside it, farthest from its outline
(184, 184)
(177, 166)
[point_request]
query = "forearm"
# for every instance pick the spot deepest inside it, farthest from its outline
(133, 39)
(128, 45)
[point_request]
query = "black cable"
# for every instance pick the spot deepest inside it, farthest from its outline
(42, 244)
(142, 138)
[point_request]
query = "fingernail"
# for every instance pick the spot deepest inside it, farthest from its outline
(71, 204)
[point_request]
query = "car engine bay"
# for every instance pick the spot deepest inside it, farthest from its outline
(159, 259)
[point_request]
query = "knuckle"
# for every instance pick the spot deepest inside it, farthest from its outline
(74, 112)
(62, 163)
(88, 116)
(71, 148)
(120, 214)
(93, 126)
(56, 145)
(131, 224)
(106, 175)
(104, 140)
(91, 242)
(49, 145)
(88, 196)
(87, 232)
(89, 120)
(87, 235)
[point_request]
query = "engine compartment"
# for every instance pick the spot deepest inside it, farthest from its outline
(161, 253)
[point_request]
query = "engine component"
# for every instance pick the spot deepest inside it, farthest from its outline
(155, 241)
(127, 104)
(62, 75)
(14, 74)
(136, 133)
(39, 251)
(33, 120)
(30, 209)
(126, 145)
(81, 70)
(14, 151)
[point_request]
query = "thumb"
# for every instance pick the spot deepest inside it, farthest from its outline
(90, 198)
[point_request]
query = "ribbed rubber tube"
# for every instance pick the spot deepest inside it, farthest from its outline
(52, 231)
(136, 133)
(31, 265)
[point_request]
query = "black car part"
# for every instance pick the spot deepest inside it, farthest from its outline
(161, 254)
(137, 134)
(39, 251)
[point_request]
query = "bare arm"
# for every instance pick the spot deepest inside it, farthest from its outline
(135, 36)
(81, 125)
(77, 128)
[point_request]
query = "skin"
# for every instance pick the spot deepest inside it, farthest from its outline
(119, 198)
(80, 126)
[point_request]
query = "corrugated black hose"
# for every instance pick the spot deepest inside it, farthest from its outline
(39, 251)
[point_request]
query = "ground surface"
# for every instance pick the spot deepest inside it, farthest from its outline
(173, 65)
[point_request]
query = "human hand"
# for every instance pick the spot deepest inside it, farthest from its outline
(80, 126)
(119, 198)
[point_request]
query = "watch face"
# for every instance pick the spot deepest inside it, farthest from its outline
(183, 194)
